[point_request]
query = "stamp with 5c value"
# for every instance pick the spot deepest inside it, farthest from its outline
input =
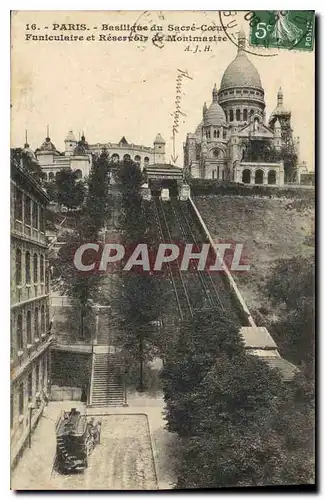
(284, 29)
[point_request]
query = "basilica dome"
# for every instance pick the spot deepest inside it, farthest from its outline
(215, 115)
(241, 73)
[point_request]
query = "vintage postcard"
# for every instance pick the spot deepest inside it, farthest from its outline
(162, 250)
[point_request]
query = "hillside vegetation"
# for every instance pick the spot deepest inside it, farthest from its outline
(270, 229)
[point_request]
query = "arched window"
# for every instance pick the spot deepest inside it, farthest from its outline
(78, 174)
(115, 158)
(146, 160)
(259, 174)
(20, 339)
(36, 323)
(137, 159)
(42, 268)
(45, 176)
(245, 115)
(18, 267)
(251, 112)
(224, 135)
(271, 177)
(43, 320)
(231, 115)
(27, 267)
(35, 268)
(246, 176)
(126, 157)
(51, 176)
(215, 134)
(218, 134)
(238, 115)
(226, 114)
(29, 327)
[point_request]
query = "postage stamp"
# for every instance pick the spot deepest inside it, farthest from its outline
(283, 29)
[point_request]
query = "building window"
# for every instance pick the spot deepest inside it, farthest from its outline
(215, 134)
(51, 176)
(238, 115)
(218, 134)
(146, 160)
(36, 327)
(78, 174)
(18, 267)
(44, 373)
(42, 219)
(21, 399)
(231, 115)
(251, 112)
(29, 327)
(213, 172)
(245, 115)
(27, 210)
(35, 268)
(137, 159)
(42, 320)
(20, 339)
(27, 267)
(224, 134)
(218, 171)
(42, 268)
(126, 157)
(30, 387)
(115, 158)
(35, 215)
(37, 378)
(19, 205)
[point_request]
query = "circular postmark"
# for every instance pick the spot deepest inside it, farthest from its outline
(154, 21)
(270, 30)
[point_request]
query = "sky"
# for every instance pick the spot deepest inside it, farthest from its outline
(110, 89)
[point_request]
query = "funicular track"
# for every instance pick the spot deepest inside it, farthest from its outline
(181, 293)
(186, 223)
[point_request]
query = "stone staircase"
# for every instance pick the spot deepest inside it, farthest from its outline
(107, 384)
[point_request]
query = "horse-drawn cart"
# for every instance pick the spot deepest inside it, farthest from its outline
(76, 437)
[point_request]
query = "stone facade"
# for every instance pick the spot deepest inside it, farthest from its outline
(30, 321)
(233, 142)
(78, 155)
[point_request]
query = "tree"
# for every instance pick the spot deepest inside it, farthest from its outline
(139, 294)
(97, 199)
(70, 191)
(232, 412)
(292, 288)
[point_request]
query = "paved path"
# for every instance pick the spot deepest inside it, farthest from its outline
(122, 461)
(134, 448)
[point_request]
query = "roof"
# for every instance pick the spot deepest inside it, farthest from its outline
(215, 115)
(257, 337)
(47, 146)
(161, 170)
(70, 136)
(123, 141)
(241, 72)
(159, 140)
